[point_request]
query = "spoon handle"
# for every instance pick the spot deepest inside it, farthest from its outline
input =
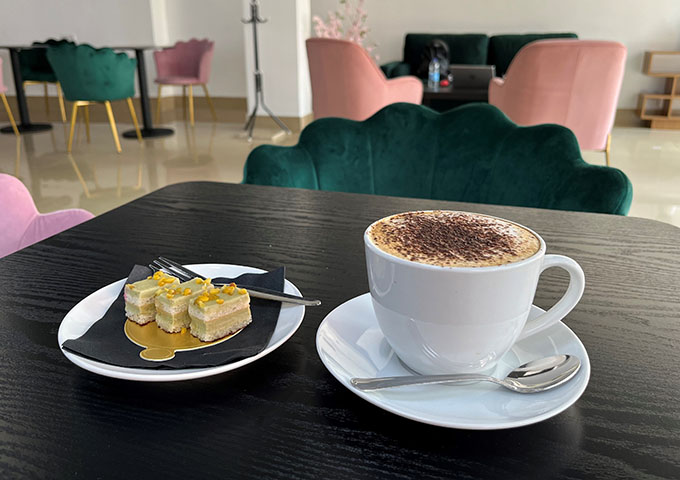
(390, 382)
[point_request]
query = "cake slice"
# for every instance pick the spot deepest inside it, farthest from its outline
(139, 296)
(219, 312)
(172, 304)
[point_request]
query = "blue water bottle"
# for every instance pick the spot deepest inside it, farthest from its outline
(433, 73)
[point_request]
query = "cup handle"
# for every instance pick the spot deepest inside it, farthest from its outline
(566, 303)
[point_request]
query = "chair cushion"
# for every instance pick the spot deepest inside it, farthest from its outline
(21, 225)
(503, 48)
(36, 76)
(177, 80)
(468, 48)
(472, 154)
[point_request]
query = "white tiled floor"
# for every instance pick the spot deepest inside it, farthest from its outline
(651, 159)
(95, 177)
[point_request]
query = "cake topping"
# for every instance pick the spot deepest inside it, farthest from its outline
(187, 291)
(199, 281)
(213, 294)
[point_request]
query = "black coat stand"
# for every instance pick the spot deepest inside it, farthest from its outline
(259, 95)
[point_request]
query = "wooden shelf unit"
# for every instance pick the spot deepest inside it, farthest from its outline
(664, 117)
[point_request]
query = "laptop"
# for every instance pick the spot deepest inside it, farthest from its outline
(474, 77)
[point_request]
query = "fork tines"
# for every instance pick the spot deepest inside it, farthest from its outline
(178, 267)
(182, 273)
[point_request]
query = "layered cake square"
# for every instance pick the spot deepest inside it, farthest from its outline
(219, 312)
(172, 304)
(139, 296)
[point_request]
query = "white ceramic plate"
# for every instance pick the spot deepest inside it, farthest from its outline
(90, 309)
(351, 344)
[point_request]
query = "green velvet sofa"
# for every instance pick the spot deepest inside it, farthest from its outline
(473, 153)
(469, 48)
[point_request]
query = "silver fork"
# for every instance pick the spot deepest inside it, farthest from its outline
(184, 274)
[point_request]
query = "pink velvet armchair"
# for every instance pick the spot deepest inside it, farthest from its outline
(20, 223)
(347, 83)
(574, 83)
(186, 64)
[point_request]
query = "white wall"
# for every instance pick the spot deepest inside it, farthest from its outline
(98, 22)
(640, 25)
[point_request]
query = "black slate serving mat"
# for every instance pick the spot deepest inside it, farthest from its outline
(106, 341)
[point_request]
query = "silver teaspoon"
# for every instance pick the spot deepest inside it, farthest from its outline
(535, 376)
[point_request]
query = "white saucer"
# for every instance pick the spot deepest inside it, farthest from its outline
(351, 344)
(92, 308)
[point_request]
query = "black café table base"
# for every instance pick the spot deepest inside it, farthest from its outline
(24, 125)
(30, 128)
(149, 132)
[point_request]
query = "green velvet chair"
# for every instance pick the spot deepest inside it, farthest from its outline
(89, 75)
(503, 48)
(36, 70)
(468, 48)
(470, 154)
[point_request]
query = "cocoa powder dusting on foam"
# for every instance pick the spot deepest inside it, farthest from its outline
(452, 238)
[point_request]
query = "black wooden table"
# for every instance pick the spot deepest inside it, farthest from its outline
(24, 125)
(285, 416)
(451, 93)
(148, 130)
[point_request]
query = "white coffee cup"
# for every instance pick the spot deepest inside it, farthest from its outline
(461, 319)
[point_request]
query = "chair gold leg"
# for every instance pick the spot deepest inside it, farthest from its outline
(74, 115)
(133, 114)
(60, 96)
(9, 114)
(607, 149)
(184, 102)
(87, 122)
(191, 105)
(210, 103)
(47, 101)
(112, 121)
(158, 104)
(17, 162)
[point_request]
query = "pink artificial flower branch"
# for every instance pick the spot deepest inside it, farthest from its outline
(350, 26)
